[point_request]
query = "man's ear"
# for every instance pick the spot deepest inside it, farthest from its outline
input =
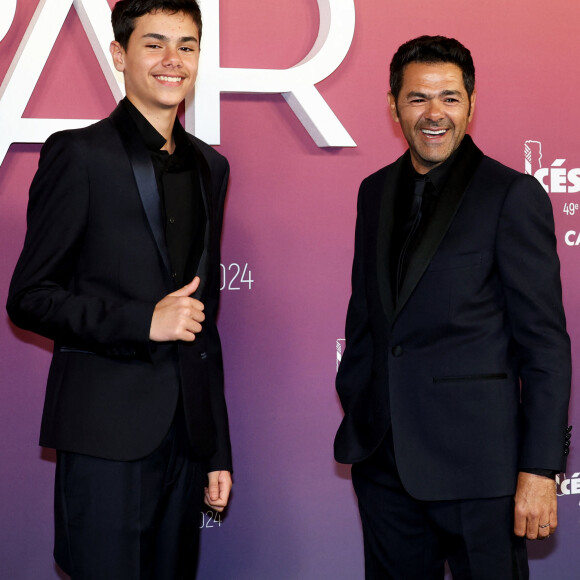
(471, 105)
(393, 106)
(118, 54)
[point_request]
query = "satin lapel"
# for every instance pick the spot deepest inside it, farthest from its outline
(204, 174)
(447, 205)
(384, 238)
(144, 177)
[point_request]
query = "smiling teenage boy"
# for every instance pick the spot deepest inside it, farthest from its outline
(120, 267)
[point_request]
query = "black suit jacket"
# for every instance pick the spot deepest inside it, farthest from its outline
(93, 266)
(480, 311)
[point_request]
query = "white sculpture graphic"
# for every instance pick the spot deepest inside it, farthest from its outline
(7, 12)
(337, 22)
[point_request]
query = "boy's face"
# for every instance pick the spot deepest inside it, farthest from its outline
(160, 63)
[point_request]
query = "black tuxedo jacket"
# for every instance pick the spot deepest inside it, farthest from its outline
(94, 265)
(479, 313)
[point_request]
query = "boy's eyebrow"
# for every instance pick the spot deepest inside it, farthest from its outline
(164, 38)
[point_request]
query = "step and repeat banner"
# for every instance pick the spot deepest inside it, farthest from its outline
(293, 92)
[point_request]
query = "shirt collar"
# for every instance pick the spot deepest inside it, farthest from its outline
(152, 138)
(438, 175)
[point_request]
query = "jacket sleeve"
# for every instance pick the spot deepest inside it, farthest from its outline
(530, 272)
(42, 296)
(355, 368)
(221, 460)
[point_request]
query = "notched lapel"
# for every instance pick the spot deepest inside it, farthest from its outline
(144, 177)
(447, 205)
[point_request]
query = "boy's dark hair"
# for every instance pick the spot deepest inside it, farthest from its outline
(126, 11)
(432, 49)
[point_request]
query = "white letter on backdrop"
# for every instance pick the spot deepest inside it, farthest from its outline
(30, 59)
(337, 23)
(296, 84)
(7, 12)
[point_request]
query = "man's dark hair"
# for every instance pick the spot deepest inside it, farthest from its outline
(126, 11)
(432, 49)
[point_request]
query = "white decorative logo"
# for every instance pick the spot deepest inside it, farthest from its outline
(554, 178)
(296, 84)
(568, 486)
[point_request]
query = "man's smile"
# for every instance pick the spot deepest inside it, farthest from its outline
(434, 132)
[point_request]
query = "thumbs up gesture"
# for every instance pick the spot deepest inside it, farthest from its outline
(178, 316)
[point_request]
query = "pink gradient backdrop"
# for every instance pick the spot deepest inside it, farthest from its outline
(290, 217)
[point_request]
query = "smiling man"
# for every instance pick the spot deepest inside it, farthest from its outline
(455, 380)
(121, 268)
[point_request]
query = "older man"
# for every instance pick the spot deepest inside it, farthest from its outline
(455, 380)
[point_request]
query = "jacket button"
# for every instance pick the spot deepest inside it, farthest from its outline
(397, 350)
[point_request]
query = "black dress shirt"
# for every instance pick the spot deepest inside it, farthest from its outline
(411, 218)
(182, 207)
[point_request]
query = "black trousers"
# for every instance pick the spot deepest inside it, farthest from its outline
(409, 539)
(130, 520)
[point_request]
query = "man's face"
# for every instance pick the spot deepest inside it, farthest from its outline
(434, 110)
(160, 63)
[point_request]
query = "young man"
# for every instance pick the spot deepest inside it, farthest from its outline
(121, 268)
(456, 302)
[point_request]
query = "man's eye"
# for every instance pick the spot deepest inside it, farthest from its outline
(186, 49)
(153, 46)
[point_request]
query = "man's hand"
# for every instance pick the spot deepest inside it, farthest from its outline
(178, 316)
(218, 490)
(535, 506)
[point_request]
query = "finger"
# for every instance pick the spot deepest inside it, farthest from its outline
(533, 527)
(189, 330)
(543, 531)
(218, 505)
(554, 519)
(519, 524)
(188, 289)
(213, 487)
(197, 310)
(545, 525)
(215, 507)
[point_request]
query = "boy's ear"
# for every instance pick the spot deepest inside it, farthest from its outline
(118, 55)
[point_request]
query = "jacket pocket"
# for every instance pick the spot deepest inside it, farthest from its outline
(77, 350)
(468, 378)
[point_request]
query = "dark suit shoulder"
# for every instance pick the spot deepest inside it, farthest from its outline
(378, 178)
(492, 175)
(92, 136)
(96, 130)
(212, 156)
(500, 172)
(373, 188)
